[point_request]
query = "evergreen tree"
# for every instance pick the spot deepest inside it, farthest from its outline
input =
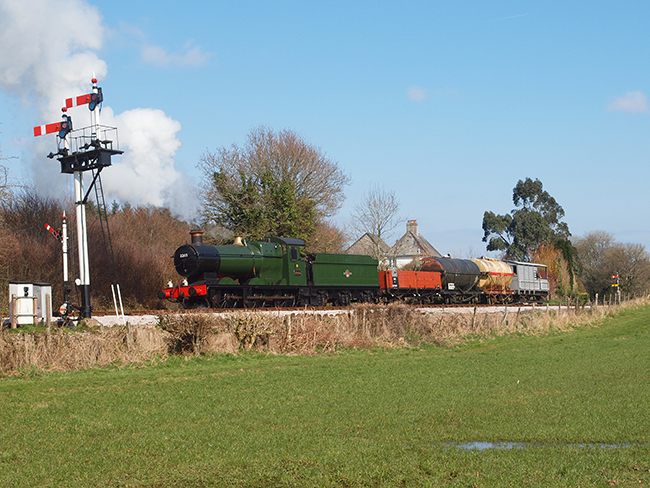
(535, 220)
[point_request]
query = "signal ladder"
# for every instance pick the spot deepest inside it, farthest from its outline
(106, 237)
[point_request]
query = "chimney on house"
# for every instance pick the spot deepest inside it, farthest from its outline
(412, 226)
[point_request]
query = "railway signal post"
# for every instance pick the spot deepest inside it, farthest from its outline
(87, 149)
(617, 287)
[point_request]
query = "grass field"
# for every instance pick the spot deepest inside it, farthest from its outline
(570, 409)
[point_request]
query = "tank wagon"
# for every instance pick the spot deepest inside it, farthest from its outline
(275, 272)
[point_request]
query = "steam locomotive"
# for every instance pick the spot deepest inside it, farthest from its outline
(275, 273)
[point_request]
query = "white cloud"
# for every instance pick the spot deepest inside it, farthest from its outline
(190, 56)
(633, 102)
(417, 94)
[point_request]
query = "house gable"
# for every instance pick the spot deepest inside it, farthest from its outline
(411, 245)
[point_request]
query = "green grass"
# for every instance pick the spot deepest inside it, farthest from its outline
(578, 402)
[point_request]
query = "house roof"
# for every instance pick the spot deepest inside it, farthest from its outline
(367, 244)
(411, 244)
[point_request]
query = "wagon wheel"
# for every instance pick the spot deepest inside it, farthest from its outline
(367, 297)
(323, 297)
(344, 298)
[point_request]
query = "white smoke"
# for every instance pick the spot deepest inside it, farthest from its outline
(145, 174)
(49, 53)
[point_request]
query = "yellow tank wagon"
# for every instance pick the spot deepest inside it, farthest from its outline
(495, 278)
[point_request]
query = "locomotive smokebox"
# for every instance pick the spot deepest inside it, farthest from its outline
(197, 237)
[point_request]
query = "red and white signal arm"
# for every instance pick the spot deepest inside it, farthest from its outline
(614, 277)
(76, 101)
(41, 130)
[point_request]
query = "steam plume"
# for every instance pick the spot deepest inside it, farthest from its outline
(49, 53)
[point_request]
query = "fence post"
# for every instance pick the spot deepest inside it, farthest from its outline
(14, 319)
(48, 323)
(287, 320)
(129, 336)
(34, 308)
(48, 312)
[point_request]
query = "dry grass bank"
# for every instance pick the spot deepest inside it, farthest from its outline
(361, 327)
(64, 350)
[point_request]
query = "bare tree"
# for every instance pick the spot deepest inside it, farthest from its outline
(599, 257)
(327, 238)
(376, 215)
(6, 187)
(632, 264)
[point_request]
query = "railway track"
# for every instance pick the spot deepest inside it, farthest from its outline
(315, 309)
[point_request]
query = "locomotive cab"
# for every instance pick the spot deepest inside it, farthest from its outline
(293, 271)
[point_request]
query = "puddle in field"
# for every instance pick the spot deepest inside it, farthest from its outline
(481, 446)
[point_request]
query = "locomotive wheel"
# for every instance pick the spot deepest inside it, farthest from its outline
(288, 302)
(228, 301)
(254, 303)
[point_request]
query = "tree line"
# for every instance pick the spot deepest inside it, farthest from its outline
(143, 241)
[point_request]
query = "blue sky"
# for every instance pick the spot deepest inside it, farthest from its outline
(448, 104)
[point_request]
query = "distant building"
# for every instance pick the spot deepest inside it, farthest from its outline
(369, 244)
(411, 246)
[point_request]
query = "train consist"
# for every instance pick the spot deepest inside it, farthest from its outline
(274, 273)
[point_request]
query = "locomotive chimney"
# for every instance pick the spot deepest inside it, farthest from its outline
(197, 237)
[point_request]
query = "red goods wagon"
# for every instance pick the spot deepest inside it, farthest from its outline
(419, 286)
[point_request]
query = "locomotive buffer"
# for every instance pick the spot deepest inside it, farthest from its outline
(79, 151)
